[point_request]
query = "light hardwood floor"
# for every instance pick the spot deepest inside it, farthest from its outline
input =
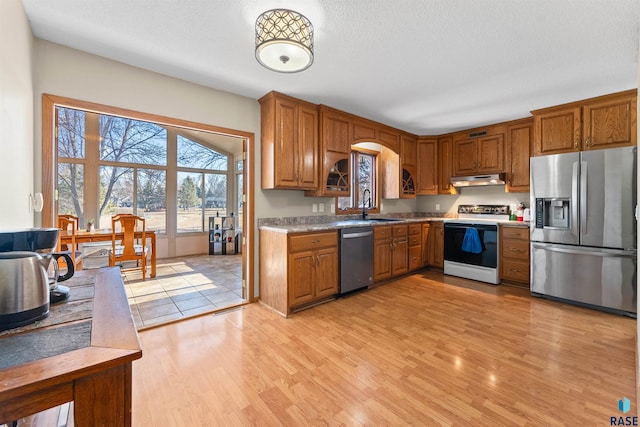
(424, 350)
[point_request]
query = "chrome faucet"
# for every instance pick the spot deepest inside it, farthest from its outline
(364, 203)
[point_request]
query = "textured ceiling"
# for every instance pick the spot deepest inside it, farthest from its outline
(425, 66)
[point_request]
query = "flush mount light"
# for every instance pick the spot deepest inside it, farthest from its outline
(284, 41)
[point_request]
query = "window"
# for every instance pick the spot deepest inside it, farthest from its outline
(109, 164)
(70, 133)
(194, 155)
(70, 188)
(202, 185)
(364, 177)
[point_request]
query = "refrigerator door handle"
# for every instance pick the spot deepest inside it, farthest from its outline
(583, 197)
(574, 198)
(573, 250)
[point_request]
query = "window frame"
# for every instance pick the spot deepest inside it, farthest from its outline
(354, 183)
(91, 160)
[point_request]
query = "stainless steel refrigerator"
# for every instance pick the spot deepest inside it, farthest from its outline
(583, 228)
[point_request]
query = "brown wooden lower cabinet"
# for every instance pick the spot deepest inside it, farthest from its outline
(415, 246)
(307, 274)
(436, 244)
(514, 255)
(381, 253)
(391, 251)
(426, 229)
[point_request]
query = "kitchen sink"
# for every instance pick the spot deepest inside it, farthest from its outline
(374, 220)
(360, 221)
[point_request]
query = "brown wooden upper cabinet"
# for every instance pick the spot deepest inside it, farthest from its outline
(519, 138)
(409, 162)
(289, 143)
(364, 130)
(427, 154)
(478, 152)
(604, 122)
(336, 137)
(445, 165)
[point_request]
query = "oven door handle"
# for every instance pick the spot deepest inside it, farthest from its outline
(485, 227)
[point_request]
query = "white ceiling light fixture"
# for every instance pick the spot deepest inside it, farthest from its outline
(284, 41)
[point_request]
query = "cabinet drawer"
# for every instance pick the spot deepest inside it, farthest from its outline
(414, 229)
(399, 230)
(382, 232)
(302, 242)
(515, 233)
(518, 249)
(515, 270)
(415, 240)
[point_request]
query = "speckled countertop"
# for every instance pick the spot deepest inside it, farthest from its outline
(328, 223)
(336, 225)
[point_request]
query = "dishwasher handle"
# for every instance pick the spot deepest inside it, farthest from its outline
(356, 235)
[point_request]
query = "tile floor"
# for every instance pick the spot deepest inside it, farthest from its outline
(184, 287)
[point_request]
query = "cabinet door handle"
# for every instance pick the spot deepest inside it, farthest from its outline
(587, 141)
(576, 143)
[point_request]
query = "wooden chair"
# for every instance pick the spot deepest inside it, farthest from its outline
(129, 248)
(69, 224)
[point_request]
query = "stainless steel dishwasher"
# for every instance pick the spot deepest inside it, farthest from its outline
(356, 258)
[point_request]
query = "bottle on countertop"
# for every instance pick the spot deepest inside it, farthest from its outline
(520, 212)
(512, 215)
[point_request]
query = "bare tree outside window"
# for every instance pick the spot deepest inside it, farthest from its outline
(210, 184)
(132, 171)
(132, 141)
(196, 156)
(122, 141)
(71, 136)
(71, 189)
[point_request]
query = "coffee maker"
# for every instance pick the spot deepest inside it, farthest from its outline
(26, 286)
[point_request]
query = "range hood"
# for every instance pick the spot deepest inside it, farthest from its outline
(478, 180)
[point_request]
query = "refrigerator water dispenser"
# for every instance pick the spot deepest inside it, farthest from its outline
(553, 213)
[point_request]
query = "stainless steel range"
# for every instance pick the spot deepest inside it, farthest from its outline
(471, 242)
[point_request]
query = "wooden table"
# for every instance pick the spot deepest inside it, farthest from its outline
(97, 378)
(104, 235)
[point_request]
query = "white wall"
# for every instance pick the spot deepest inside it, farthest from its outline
(16, 116)
(491, 195)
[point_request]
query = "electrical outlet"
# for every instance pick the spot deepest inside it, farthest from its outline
(333, 208)
(321, 207)
(437, 207)
(314, 207)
